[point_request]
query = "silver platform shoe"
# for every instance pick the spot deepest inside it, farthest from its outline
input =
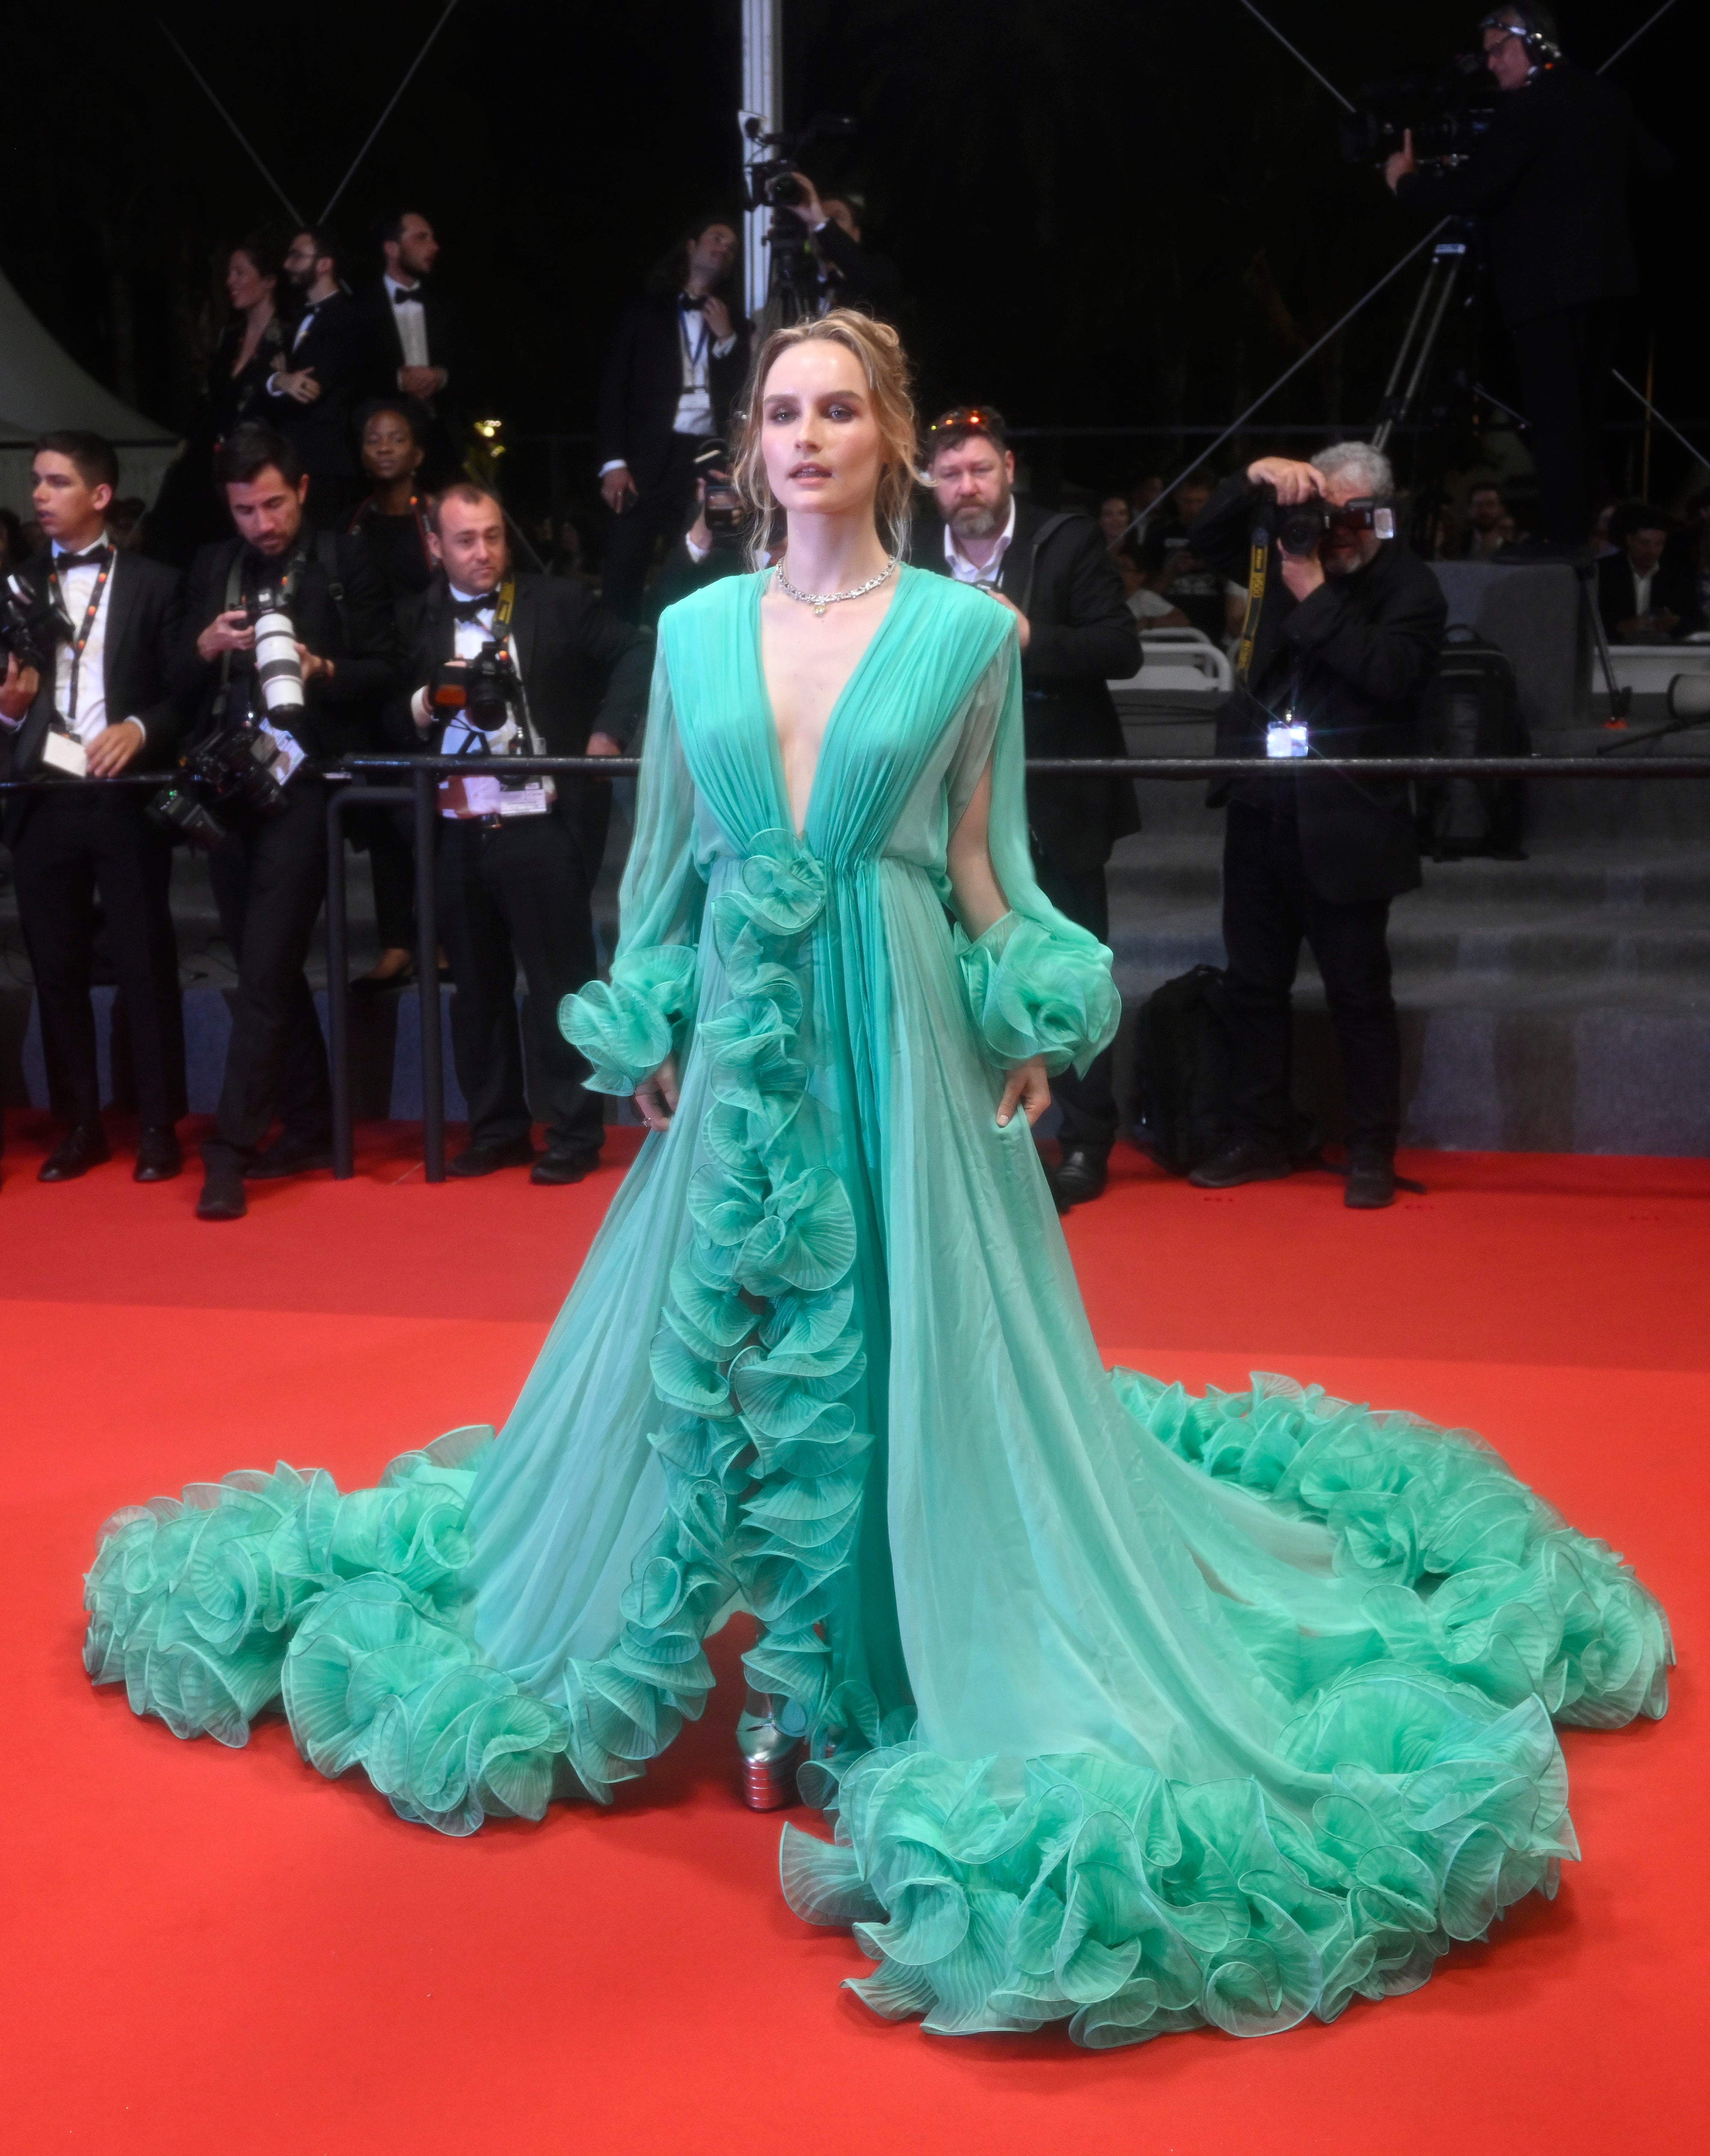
(769, 1750)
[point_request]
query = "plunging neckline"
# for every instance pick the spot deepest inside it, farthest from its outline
(903, 572)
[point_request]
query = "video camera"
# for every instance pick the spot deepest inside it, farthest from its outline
(1448, 113)
(721, 504)
(772, 182)
(1302, 527)
(30, 629)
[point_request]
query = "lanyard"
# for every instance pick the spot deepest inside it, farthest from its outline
(1256, 568)
(695, 353)
(83, 635)
(371, 508)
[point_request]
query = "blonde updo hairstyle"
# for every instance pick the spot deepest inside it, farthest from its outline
(885, 365)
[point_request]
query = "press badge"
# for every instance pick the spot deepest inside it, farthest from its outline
(1286, 737)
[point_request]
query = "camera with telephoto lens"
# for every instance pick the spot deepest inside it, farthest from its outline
(1302, 527)
(1448, 114)
(278, 664)
(230, 767)
(721, 504)
(30, 629)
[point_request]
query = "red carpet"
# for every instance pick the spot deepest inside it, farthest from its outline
(217, 1952)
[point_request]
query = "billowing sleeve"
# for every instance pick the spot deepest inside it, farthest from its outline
(1037, 984)
(627, 1025)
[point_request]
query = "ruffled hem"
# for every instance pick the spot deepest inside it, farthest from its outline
(1034, 992)
(627, 1025)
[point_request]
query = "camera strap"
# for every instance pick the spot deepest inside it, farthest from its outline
(502, 610)
(80, 637)
(1258, 569)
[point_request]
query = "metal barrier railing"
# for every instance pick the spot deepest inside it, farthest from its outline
(416, 780)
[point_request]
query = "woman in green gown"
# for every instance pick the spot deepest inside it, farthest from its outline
(1130, 1709)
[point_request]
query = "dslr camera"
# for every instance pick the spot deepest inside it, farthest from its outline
(1302, 527)
(242, 762)
(30, 629)
(480, 700)
(721, 504)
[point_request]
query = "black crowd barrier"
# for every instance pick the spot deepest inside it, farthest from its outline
(360, 782)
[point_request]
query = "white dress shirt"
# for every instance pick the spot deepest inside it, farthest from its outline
(973, 573)
(479, 794)
(693, 413)
(411, 319)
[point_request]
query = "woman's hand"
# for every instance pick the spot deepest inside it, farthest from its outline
(657, 1097)
(1027, 1084)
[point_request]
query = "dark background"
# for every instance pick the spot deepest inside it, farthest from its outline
(1107, 212)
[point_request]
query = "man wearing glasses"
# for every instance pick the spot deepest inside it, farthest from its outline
(1054, 572)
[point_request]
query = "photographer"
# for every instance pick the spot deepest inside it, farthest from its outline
(100, 622)
(527, 666)
(675, 364)
(1054, 573)
(1550, 180)
(1342, 631)
(846, 275)
(269, 868)
(711, 548)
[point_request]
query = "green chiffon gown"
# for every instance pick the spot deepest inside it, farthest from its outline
(1127, 1708)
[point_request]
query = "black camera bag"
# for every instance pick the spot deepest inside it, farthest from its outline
(1181, 1069)
(1471, 708)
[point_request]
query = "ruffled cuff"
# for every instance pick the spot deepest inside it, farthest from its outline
(627, 1026)
(1033, 993)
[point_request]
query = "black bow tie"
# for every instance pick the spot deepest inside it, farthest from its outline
(92, 559)
(400, 298)
(473, 609)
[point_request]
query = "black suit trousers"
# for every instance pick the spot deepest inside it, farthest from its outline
(518, 891)
(270, 880)
(660, 512)
(1268, 907)
(1088, 1104)
(1564, 360)
(76, 845)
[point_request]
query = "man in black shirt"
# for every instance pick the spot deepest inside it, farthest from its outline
(517, 861)
(102, 706)
(270, 872)
(1055, 574)
(1338, 642)
(1550, 180)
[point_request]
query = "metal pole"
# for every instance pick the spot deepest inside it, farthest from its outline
(1323, 81)
(762, 95)
(1667, 425)
(1637, 34)
(338, 1013)
(249, 148)
(427, 980)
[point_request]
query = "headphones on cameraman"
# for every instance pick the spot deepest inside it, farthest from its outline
(1535, 28)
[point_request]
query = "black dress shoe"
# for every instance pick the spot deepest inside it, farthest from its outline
(158, 1158)
(1079, 1177)
(84, 1146)
(368, 985)
(485, 1159)
(563, 1166)
(1242, 1160)
(1371, 1180)
(290, 1154)
(222, 1193)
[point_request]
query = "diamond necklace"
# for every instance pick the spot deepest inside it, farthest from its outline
(820, 600)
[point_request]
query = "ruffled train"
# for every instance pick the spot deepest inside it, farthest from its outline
(993, 1896)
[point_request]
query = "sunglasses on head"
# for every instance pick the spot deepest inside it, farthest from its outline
(968, 419)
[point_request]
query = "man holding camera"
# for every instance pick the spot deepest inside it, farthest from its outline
(674, 364)
(507, 664)
(1549, 179)
(1342, 631)
(1054, 572)
(88, 696)
(302, 698)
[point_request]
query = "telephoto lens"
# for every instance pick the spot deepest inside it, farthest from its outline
(277, 666)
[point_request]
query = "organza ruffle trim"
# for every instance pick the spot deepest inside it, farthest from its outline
(627, 1025)
(1129, 1905)
(1032, 991)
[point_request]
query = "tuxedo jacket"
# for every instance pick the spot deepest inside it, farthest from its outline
(644, 380)
(144, 609)
(1358, 653)
(338, 344)
(1081, 635)
(355, 628)
(584, 670)
(448, 345)
(1674, 589)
